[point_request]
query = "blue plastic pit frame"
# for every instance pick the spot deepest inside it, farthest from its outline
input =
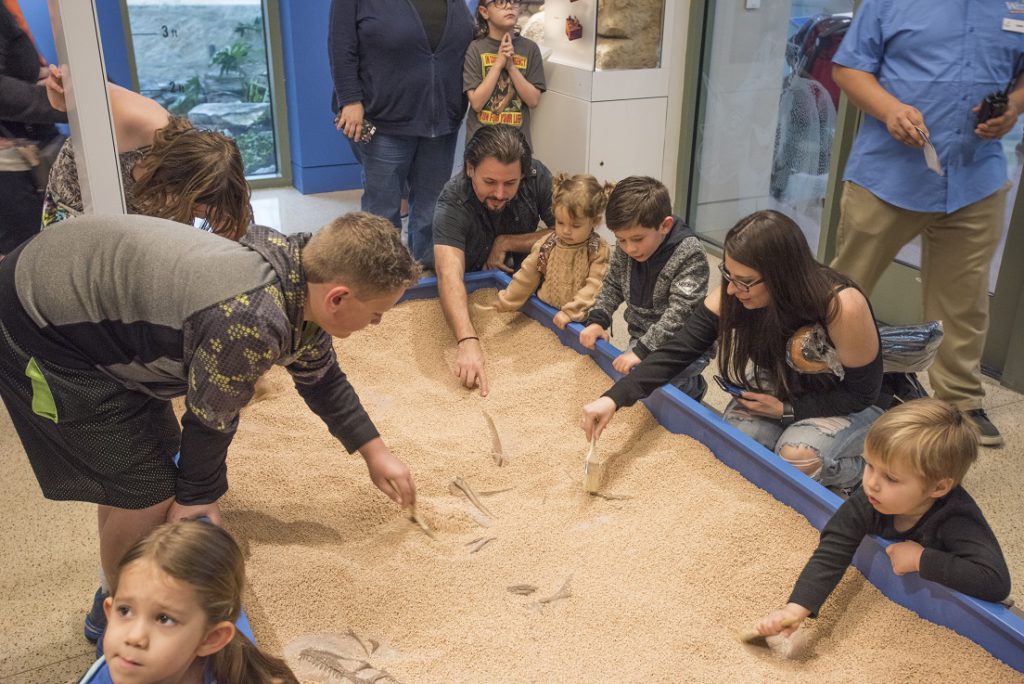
(993, 626)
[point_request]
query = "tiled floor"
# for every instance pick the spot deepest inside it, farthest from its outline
(49, 548)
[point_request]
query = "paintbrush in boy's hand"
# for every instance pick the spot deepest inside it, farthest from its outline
(593, 467)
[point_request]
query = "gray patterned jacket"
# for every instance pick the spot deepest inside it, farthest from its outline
(681, 285)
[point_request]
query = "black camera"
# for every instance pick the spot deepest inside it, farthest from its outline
(992, 106)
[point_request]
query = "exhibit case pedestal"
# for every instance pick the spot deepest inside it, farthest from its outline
(605, 108)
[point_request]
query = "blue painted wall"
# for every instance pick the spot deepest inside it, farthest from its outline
(37, 15)
(321, 158)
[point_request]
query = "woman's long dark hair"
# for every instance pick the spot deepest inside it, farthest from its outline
(802, 292)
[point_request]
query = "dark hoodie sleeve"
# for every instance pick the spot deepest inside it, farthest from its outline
(343, 52)
(839, 541)
(26, 103)
(229, 346)
(328, 393)
(610, 296)
(688, 288)
(696, 337)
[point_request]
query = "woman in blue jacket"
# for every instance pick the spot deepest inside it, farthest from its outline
(397, 70)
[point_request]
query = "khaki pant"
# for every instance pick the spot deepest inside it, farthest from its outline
(957, 250)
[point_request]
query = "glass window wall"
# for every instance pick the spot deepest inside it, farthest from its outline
(207, 60)
(767, 113)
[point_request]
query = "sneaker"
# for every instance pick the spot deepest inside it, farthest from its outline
(96, 619)
(990, 435)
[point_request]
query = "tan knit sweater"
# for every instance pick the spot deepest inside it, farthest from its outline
(571, 276)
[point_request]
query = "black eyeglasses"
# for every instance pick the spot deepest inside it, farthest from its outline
(741, 285)
(504, 4)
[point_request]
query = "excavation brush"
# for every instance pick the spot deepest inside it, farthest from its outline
(593, 467)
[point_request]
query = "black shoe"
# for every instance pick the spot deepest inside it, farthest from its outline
(990, 435)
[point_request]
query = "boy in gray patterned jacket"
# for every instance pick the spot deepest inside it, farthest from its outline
(659, 269)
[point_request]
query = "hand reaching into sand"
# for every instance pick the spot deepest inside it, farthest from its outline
(596, 415)
(591, 334)
(469, 365)
(793, 615)
(389, 474)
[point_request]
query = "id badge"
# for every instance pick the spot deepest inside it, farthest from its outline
(1013, 25)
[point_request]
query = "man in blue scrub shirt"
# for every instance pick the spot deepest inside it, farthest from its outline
(918, 69)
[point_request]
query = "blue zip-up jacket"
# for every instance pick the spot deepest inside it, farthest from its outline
(380, 56)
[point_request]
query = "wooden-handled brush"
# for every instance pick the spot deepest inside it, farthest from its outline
(593, 467)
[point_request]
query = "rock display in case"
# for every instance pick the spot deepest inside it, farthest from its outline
(597, 34)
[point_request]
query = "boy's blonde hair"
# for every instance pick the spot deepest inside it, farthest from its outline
(934, 438)
(638, 201)
(582, 196)
(362, 250)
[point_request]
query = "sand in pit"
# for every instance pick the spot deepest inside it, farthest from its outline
(660, 580)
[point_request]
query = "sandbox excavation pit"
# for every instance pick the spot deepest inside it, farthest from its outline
(534, 581)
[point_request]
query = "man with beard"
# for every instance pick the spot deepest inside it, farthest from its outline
(486, 217)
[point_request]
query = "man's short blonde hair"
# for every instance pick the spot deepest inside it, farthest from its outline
(363, 251)
(934, 439)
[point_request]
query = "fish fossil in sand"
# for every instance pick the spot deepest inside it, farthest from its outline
(611, 497)
(335, 658)
(459, 485)
(496, 450)
(492, 492)
(479, 543)
(562, 593)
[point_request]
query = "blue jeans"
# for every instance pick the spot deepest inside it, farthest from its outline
(838, 441)
(390, 162)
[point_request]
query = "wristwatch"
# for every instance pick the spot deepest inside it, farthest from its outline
(787, 414)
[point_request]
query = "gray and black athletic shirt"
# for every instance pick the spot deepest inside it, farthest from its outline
(170, 311)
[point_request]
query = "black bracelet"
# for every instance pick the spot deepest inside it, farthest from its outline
(471, 337)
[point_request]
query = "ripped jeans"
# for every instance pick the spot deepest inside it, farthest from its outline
(835, 444)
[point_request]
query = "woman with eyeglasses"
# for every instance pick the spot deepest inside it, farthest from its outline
(811, 413)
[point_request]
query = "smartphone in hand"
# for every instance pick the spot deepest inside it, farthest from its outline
(734, 390)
